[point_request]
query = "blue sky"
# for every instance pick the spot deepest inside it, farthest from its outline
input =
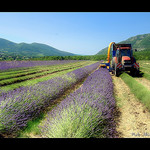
(75, 32)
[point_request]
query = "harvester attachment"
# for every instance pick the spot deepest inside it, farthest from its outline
(102, 65)
(105, 65)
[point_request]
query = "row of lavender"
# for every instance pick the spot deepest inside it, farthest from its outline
(87, 112)
(19, 64)
(19, 106)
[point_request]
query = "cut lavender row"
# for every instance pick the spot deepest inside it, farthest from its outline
(87, 112)
(19, 106)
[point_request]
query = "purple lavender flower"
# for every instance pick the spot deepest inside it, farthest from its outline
(19, 106)
(87, 112)
(19, 64)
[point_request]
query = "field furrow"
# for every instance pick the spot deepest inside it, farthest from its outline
(73, 99)
(87, 111)
(133, 120)
(32, 130)
(37, 72)
(30, 76)
(26, 103)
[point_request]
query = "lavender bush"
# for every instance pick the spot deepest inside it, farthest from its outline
(19, 106)
(87, 112)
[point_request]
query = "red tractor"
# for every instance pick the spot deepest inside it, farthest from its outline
(122, 59)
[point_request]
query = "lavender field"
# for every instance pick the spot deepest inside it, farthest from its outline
(87, 112)
(71, 75)
(16, 74)
(23, 104)
(4, 65)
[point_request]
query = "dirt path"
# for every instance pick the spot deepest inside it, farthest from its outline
(133, 120)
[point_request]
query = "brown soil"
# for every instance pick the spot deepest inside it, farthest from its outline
(133, 120)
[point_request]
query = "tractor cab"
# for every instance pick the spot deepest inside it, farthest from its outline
(124, 55)
(125, 52)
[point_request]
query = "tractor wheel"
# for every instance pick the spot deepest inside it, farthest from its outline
(116, 73)
(136, 73)
(132, 71)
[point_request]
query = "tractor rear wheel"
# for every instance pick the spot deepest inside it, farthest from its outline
(134, 72)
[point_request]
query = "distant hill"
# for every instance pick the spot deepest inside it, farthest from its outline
(29, 50)
(139, 42)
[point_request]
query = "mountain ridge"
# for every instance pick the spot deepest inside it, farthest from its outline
(34, 49)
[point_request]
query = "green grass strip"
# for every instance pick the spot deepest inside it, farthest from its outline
(20, 74)
(13, 78)
(30, 76)
(44, 78)
(26, 76)
(25, 69)
(140, 91)
(14, 72)
(146, 75)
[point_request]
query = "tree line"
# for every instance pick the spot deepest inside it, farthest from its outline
(139, 55)
(89, 57)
